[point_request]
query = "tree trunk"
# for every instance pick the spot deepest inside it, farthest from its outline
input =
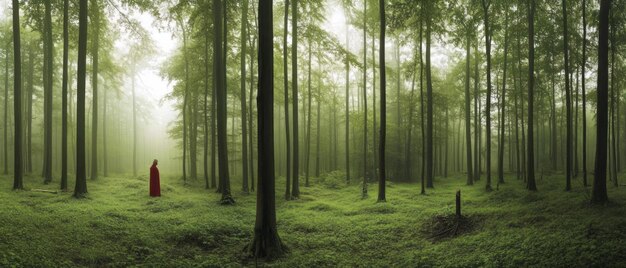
(614, 94)
(503, 106)
(568, 102)
(383, 106)
(468, 124)
(347, 110)
(48, 83)
(185, 101)
(266, 243)
(205, 109)
(364, 190)
(423, 166)
(222, 137)
(94, 86)
(244, 128)
(531, 84)
(64, 96)
(307, 155)
(6, 108)
(599, 194)
(429, 109)
(476, 116)
(80, 188)
(486, 4)
(286, 103)
(17, 99)
(295, 191)
(584, 100)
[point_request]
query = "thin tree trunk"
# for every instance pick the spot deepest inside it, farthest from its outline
(429, 112)
(94, 87)
(48, 83)
(286, 103)
(244, 123)
(81, 175)
(17, 99)
(383, 106)
(468, 124)
(568, 102)
(63, 96)
(295, 191)
(503, 102)
(347, 110)
(584, 100)
(307, 155)
(486, 4)
(531, 83)
(364, 190)
(423, 166)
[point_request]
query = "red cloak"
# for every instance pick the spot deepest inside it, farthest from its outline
(155, 181)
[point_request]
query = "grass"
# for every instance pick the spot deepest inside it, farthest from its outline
(331, 225)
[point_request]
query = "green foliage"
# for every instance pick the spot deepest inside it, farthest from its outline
(332, 180)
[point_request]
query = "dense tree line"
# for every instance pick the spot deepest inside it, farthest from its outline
(529, 67)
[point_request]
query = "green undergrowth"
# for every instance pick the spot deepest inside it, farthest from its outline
(119, 225)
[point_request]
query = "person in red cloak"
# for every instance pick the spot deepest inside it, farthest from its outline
(155, 180)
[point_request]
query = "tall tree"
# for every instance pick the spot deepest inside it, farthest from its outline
(530, 165)
(244, 128)
(80, 188)
(295, 192)
(94, 87)
(364, 190)
(347, 109)
(486, 4)
(222, 139)
(17, 99)
(599, 194)
(584, 100)
(468, 112)
(383, 105)
(266, 242)
(421, 33)
(503, 102)
(286, 103)
(568, 102)
(205, 109)
(64, 96)
(429, 97)
(47, 83)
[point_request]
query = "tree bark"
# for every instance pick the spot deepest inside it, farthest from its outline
(80, 188)
(531, 185)
(244, 129)
(468, 124)
(503, 104)
(383, 106)
(568, 102)
(266, 242)
(584, 100)
(286, 103)
(295, 191)
(486, 4)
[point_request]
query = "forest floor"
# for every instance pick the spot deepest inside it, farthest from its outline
(330, 225)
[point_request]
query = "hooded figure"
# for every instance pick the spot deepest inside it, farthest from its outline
(155, 181)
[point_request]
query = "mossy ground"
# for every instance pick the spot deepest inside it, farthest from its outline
(119, 225)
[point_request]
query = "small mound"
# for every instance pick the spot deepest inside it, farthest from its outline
(321, 207)
(441, 227)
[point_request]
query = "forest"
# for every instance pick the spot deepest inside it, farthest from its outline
(312, 133)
